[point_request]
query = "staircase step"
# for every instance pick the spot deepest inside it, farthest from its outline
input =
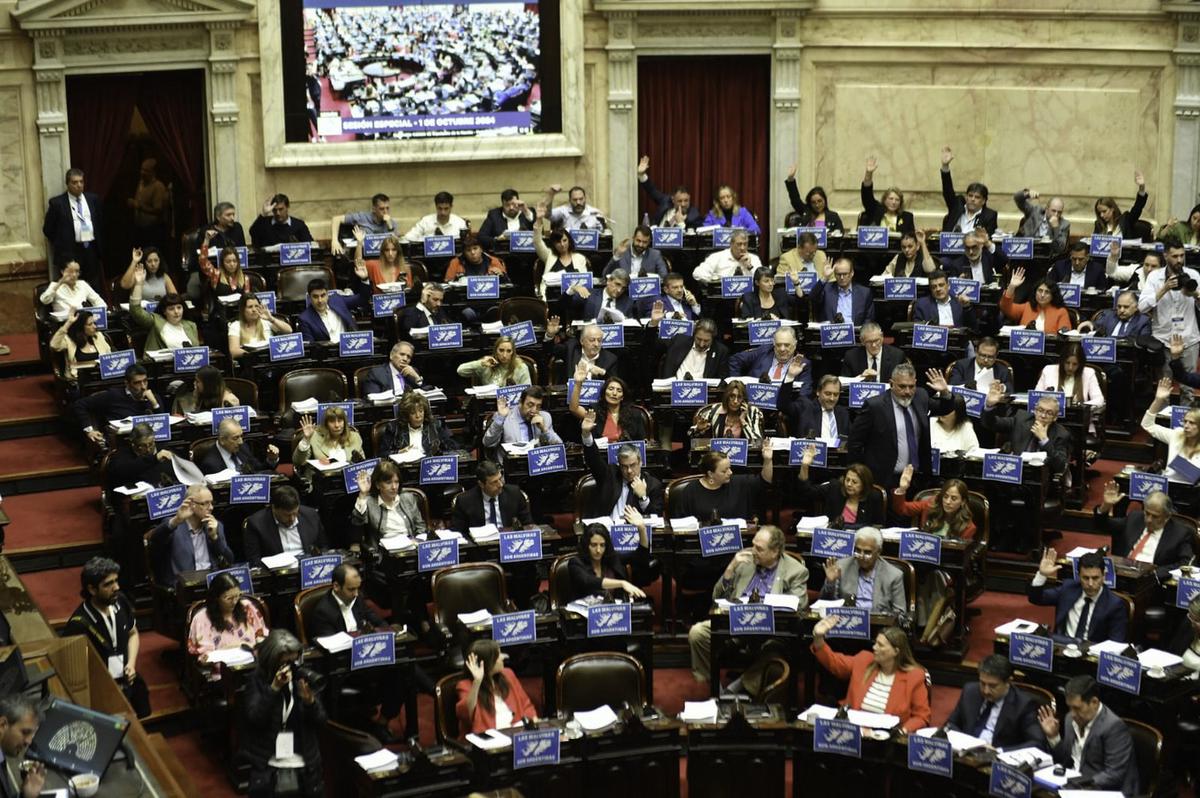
(53, 530)
(43, 463)
(30, 407)
(25, 358)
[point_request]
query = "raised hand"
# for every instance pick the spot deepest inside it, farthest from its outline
(363, 481)
(1112, 494)
(588, 423)
(1048, 567)
(634, 516)
(501, 407)
(307, 427)
(359, 234)
(796, 367)
(1018, 277)
(268, 206)
(1140, 180)
(936, 381)
(582, 370)
(1048, 721)
(825, 626)
(475, 667)
(947, 155)
(620, 250)
(833, 571)
(810, 453)
(139, 275)
(791, 175)
(656, 312)
(184, 512)
(872, 164)
(995, 393)
(906, 478)
(1163, 394)
(553, 325)
(766, 449)
(643, 165)
(136, 255)
(1176, 347)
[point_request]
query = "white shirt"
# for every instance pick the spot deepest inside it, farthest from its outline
(723, 264)
(1076, 278)
(63, 297)
(1174, 313)
(200, 548)
(1076, 609)
(635, 264)
(984, 377)
(589, 219)
(395, 524)
(429, 225)
(333, 324)
(977, 271)
(829, 430)
(968, 221)
(262, 334)
(289, 537)
(428, 313)
(81, 217)
(877, 694)
(1081, 736)
(347, 613)
(504, 715)
(512, 224)
(173, 336)
(416, 439)
(1150, 547)
(962, 439)
(945, 313)
(693, 363)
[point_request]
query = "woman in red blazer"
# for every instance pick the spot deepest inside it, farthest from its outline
(890, 660)
(947, 515)
(1047, 310)
(490, 680)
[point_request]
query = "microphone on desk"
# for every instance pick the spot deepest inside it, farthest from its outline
(838, 318)
(940, 734)
(687, 375)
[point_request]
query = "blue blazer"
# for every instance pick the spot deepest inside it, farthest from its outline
(860, 300)
(1094, 275)
(958, 266)
(652, 263)
(1106, 323)
(592, 304)
(925, 310)
(313, 329)
(179, 555)
(743, 218)
(646, 305)
(1109, 621)
(753, 362)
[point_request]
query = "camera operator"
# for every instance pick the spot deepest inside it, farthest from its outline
(1171, 294)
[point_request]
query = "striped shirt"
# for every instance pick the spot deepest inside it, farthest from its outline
(877, 694)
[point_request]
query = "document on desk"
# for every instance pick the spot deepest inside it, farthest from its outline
(447, 534)
(332, 465)
(872, 720)
(1111, 646)
(1018, 757)
(485, 532)
(596, 719)
(491, 740)
(688, 523)
(231, 656)
(696, 711)
(277, 561)
(1046, 777)
(740, 523)
(187, 472)
(894, 532)
(336, 642)
(959, 741)
(1157, 658)
(221, 476)
(409, 455)
(518, 448)
(811, 522)
(396, 542)
(381, 760)
(487, 391)
(823, 604)
(472, 618)
(1017, 625)
(135, 490)
(784, 601)
(382, 397)
(818, 711)
(305, 405)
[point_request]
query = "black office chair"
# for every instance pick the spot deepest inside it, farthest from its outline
(590, 680)
(1147, 753)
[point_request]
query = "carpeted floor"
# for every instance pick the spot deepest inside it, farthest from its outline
(40, 454)
(71, 516)
(28, 397)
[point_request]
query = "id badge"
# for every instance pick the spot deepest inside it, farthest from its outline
(116, 666)
(1177, 324)
(285, 745)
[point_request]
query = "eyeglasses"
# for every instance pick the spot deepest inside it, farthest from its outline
(863, 552)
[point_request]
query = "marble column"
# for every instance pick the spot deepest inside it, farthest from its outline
(53, 141)
(622, 198)
(223, 112)
(785, 118)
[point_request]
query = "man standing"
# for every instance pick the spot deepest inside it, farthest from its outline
(149, 204)
(995, 711)
(376, 221)
(1095, 742)
(1043, 222)
(73, 225)
(1171, 294)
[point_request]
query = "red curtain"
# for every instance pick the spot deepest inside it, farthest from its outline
(705, 122)
(99, 110)
(175, 120)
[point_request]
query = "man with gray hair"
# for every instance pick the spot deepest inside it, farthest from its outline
(191, 540)
(600, 362)
(1151, 534)
(20, 718)
(738, 259)
(231, 452)
(608, 306)
(866, 579)
(873, 360)
(1038, 221)
(777, 362)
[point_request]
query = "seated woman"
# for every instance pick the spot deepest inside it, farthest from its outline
(254, 325)
(1109, 219)
(157, 283)
(946, 515)
(1046, 313)
(227, 278)
(1182, 442)
(226, 621)
(557, 258)
(491, 697)
(390, 267)
(1072, 377)
(890, 213)
(1188, 233)
(82, 342)
(954, 431)
(474, 262)
(727, 211)
(814, 210)
(502, 367)
(334, 440)
(615, 419)
(885, 680)
(415, 430)
(768, 301)
(166, 327)
(732, 417)
(208, 391)
(598, 569)
(850, 502)
(382, 510)
(719, 493)
(913, 259)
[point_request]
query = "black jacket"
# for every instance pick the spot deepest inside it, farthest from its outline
(609, 484)
(873, 434)
(1019, 426)
(435, 438)
(1174, 544)
(963, 373)
(831, 502)
(59, 226)
(956, 205)
(808, 419)
(569, 352)
(325, 617)
(212, 462)
(832, 220)
(262, 534)
(873, 212)
(495, 224)
(266, 232)
(664, 203)
(379, 379)
(716, 362)
(469, 509)
(97, 409)
(126, 467)
(1016, 727)
(854, 362)
(262, 720)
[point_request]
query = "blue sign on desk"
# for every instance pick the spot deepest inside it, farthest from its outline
(625, 538)
(1110, 571)
(723, 236)
(1058, 396)
(1102, 246)
(930, 755)
(612, 336)
(589, 392)
(763, 395)
(113, 364)
(1177, 414)
(539, 747)
(297, 254)
(763, 332)
(666, 237)
(373, 650)
(837, 335)
(267, 299)
(446, 336)
(806, 280)
(547, 459)
(511, 394)
(1071, 294)
(1099, 350)
(860, 392)
(1003, 468)
(606, 620)
(1185, 590)
(835, 736)
(962, 285)
(1008, 782)
(669, 328)
(99, 315)
(649, 287)
(586, 240)
(512, 628)
(935, 461)
(950, 244)
(521, 241)
(1184, 469)
(520, 545)
(1142, 484)
(738, 449)
(852, 622)
(899, 288)
(250, 489)
(350, 474)
(286, 347)
(572, 279)
(974, 400)
(345, 407)
(821, 233)
(163, 502)
(160, 423)
(373, 242)
(439, 246)
(836, 543)
(356, 343)
(318, 570)
(799, 445)
(522, 333)
(751, 619)
(436, 553)
(872, 237)
(190, 358)
(1032, 651)
(439, 470)
(1017, 248)
(239, 572)
(735, 285)
(931, 337)
(485, 286)
(615, 446)
(384, 305)
(689, 393)
(239, 413)
(715, 540)
(1123, 673)
(1028, 342)
(243, 257)
(920, 547)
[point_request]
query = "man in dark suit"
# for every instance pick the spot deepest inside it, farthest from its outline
(610, 305)
(134, 398)
(1083, 608)
(840, 300)
(965, 213)
(1079, 268)
(1106, 759)
(996, 712)
(637, 257)
(977, 373)
(231, 451)
(1125, 321)
(1038, 431)
(74, 224)
(20, 717)
(676, 300)
(822, 418)
(276, 226)
(777, 362)
(976, 261)
(397, 375)
(191, 540)
(284, 527)
(329, 315)
(873, 360)
(140, 461)
(490, 502)
(673, 210)
(701, 355)
(425, 313)
(939, 307)
(1147, 535)
(512, 214)
(601, 362)
(883, 440)
(227, 231)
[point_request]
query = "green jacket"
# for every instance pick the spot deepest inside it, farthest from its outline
(154, 323)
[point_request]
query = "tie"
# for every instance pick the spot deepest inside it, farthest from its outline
(831, 422)
(1141, 544)
(981, 721)
(875, 366)
(529, 427)
(83, 224)
(1121, 329)
(237, 461)
(1081, 628)
(910, 433)
(778, 375)
(495, 519)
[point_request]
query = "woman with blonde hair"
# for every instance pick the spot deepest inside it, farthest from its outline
(333, 439)
(732, 417)
(1182, 442)
(502, 367)
(727, 211)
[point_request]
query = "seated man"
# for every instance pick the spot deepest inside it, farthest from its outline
(979, 372)
(763, 569)
(609, 306)
(676, 300)
(699, 356)
(490, 502)
(512, 215)
(285, 527)
(866, 578)
(140, 461)
(600, 362)
(275, 225)
(976, 261)
(231, 452)
(529, 423)
(425, 313)
(191, 540)
(804, 257)
(622, 485)
(376, 221)
(1084, 609)
(996, 712)
(330, 314)
(840, 300)
(576, 214)
(1078, 268)
(965, 212)
(397, 375)
(441, 223)
(823, 418)
(1149, 535)
(738, 259)
(20, 717)
(1125, 321)
(133, 399)
(873, 360)
(774, 362)
(942, 309)
(70, 292)
(1039, 431)
(1043, 222)
(226, 229)
(475, 262)
(1096, 742)
(637, 257)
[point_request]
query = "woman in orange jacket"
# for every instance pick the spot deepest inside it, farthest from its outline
(1047, 311)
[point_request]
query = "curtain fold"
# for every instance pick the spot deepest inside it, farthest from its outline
(99, 110)
(175, 120)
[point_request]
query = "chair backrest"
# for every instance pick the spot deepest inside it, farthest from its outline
(523, 308)
(257, 281)
(347, 742)
(910, 582)
(324, 385)
(585, 488)
(674, 486)
(422, 502)
(531, 364)
(445, 702)
(1147, 753)
(776, 673)
(201, 447)
(1041, 695)
(377, 430)
(245, 390)
(560, 580)
(1102, 381)
(292, 282)
(302, 605)
(1188, 521)
(647, 421)
(586, 681)
(469, 587)
(360, 375)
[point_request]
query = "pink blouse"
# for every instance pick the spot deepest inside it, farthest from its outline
(203, 638)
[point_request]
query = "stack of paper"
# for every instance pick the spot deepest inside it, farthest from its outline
(1047, 778)
(1019, 757)
(818, 711)
(231, 656)
(382, 398)
(1111, 646)
(1157, 658)
(378, 762)
(492, 327)
(409, 455)
(395, 287)
(433, 394)
(688, 523)
(396, 542)
(332, 465)
(277, 561)
(872, 720)
(894, 532)
(978, 452)
(221, 476)
(599, 718)
(136, 490)
(782, 444)
(784, 601)
(581, 606)
(1034, 458)
(811, 522)
(518, 448)
(699, 711)
(160, 355)
(1016, 625)
(477, 617)
(820, 605)
(740, 523)
(958, 740)
(305, 405)
(336, 642)
(486, 532)
(482, 391)
(447, 534)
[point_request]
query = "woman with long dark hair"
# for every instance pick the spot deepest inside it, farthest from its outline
(1109, 219)
(849, 502)
(228, 620)
(208, 392)
(491, 695)
(948, 514)
(615, 418)
(598, 569)
(81, 341)
(1046, 312)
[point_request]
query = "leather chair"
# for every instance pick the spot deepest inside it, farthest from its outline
(560, 580)
(422, 503)
(531, 364)
(1041, 695)
(302, 606)
(524, 308)
(201, 447)
(1147, 753)
(981, 513)
(257, 281)
(339, 745)
(377, 430)
(776, 676)
(910, 583)
(584, 489)
(586, 681)
(324, 385)
(245, 390)
(360, 375)
(445, 703)
(292, 282)
(467, 587)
